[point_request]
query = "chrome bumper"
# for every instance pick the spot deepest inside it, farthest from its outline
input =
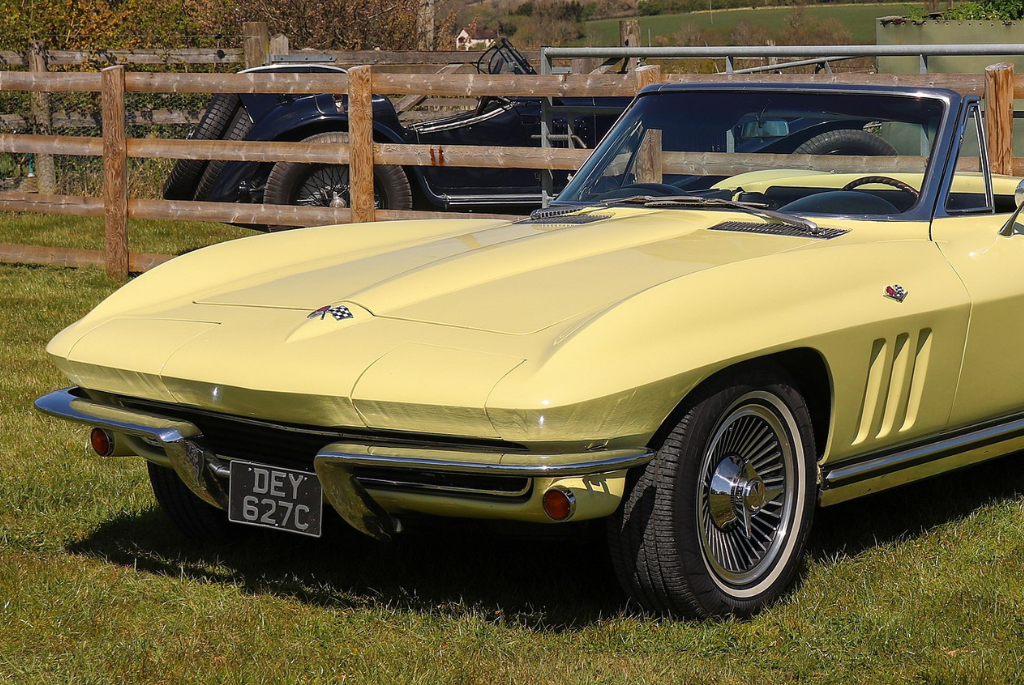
(336, 463)
(205, 473)
(181, 441)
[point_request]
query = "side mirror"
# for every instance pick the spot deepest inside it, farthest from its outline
(1018, 198)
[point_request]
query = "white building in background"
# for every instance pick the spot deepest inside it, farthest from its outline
(475, 39)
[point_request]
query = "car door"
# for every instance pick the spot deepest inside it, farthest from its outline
(973, 208)
(497, 123)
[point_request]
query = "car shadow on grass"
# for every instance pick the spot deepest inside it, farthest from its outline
(500, 573)
(910, 511)
(505, 574)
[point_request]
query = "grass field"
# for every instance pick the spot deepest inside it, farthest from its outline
(923, 584)
(158, 237)
(859, 20)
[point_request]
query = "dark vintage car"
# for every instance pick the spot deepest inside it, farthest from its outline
(514, 121)
(496, 121)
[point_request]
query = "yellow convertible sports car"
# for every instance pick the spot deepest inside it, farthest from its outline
(749, 302)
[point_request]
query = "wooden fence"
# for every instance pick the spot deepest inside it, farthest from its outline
(258, 47)
(998, 84)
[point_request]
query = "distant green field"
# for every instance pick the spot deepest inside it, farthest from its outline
(857, 19)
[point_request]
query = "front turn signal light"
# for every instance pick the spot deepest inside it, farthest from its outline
(102, 442)
(559, 503)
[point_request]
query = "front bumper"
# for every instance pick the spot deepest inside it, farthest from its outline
(365, 503)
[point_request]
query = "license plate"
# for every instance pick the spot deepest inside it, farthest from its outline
(272, 497)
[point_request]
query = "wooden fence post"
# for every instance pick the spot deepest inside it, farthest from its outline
(360, 141)
(255, 43)
(629, 37)
(646, 75)
(115, 173)
(649, 163)
(425, 25)
(46, 175)
(279, 45)
(999, 117)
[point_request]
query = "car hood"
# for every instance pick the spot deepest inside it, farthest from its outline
(515, 278)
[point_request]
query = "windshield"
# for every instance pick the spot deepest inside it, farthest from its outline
(816, 152)
(503, 58)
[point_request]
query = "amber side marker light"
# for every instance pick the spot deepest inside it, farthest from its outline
(559, 503)
(102, 442)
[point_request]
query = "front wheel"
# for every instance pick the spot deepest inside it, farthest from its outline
(188, 513)
(328, 185)
(716, 524)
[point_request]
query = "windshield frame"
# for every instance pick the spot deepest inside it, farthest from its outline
(950, 101)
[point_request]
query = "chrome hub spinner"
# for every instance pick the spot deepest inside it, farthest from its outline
(337, 201)
(736, 493)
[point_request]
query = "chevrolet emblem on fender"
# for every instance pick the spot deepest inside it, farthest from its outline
(895, 292)
(338, 313)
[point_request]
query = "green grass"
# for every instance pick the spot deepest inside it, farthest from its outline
(859, 20)
(157, 237)
(923, 584)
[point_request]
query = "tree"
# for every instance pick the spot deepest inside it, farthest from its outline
(339, 24)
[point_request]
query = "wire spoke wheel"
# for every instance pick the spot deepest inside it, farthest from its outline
(328, 186)
(716, 523)
(746, 498)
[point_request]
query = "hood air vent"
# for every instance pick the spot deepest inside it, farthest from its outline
(561, 216)
(779, 229)
(564, 220)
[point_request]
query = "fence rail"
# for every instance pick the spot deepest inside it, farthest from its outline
(361, 153)
(258, 48)
(236, 57)
(818, 54)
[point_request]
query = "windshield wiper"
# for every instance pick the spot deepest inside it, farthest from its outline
(712, 202)
(749, 207)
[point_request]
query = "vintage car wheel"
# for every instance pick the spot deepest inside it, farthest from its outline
(188, 513)
(181, 183)
(716, 524)
(327, 185)
(238, 130)
(847, 142)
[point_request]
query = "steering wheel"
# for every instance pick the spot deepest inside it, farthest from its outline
(885, 180)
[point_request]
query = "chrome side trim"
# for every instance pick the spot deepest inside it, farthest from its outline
(198, 467)
(458, 121)
(882, 471)
(482, 200)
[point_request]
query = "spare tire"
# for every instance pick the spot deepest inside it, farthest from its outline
(847, 142)
(238, 130)
(181, 183)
